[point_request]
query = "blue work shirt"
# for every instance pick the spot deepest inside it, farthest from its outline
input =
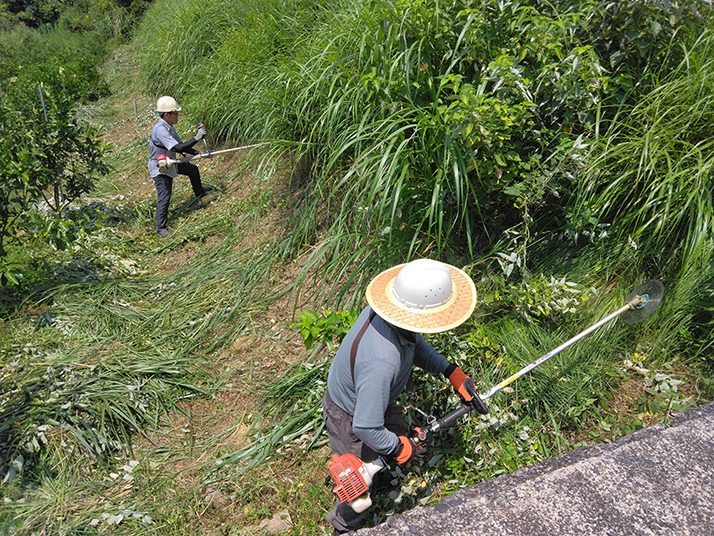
(163, 139)
(383, 363)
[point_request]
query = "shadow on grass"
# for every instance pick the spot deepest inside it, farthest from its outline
(84, 252)
(194, 204)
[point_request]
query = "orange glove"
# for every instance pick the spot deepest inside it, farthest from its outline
(466, 388)
(405, 451)
(461, 382)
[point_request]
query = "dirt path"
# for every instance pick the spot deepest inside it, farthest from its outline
(218, 425)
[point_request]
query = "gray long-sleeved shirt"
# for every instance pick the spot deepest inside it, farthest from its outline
(384, 360)
(163, 139)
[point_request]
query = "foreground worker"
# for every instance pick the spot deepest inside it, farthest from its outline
(374, 363)
(165, 143)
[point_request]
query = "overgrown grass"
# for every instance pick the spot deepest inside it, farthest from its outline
(650, 177)
(427, 129)
(379, 110)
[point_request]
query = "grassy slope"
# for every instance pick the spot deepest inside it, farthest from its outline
(259, 351)
(223, 233)
(291, 482)
(214, 242)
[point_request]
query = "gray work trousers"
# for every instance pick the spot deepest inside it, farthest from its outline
(343, 440)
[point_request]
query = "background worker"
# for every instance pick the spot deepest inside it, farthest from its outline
(165, 142)
(374, 363)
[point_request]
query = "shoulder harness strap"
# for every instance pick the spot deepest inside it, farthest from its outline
(355, 344)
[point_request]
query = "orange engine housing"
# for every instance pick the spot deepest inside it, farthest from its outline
(346, 473)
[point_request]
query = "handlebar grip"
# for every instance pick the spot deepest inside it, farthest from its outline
(479, 405)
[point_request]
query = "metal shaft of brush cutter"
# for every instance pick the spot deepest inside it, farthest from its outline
(171, 161)
(636, 301)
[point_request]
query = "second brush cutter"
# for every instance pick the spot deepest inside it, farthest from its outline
(165, 162)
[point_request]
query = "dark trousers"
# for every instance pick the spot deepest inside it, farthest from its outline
(343, 440)
(164, 186)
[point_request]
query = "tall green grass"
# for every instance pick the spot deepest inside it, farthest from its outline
(228, 60)
(425, 129)
(651, 176)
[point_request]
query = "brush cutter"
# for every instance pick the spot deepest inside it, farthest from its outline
(351, 478)
(165, 162)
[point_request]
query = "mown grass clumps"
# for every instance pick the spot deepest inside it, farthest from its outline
(98, 366)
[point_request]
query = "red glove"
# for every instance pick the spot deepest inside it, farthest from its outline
(405, 451)
(466, 388)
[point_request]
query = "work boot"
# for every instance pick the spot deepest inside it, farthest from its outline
(206, 189)
(163, 233)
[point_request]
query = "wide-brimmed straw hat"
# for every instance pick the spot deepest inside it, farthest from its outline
(423, 296)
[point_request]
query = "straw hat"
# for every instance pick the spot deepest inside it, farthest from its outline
(423, 296)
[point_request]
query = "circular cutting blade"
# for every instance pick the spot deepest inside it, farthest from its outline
(652, 292)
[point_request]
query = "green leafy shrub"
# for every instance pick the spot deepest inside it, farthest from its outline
(540, 297)
(66, 64)
(40, 156)
(328, 327)
(36, 13)
(663, 396)
(111, 18)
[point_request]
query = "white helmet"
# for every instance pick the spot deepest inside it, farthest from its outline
(423, 284)
(167, 104)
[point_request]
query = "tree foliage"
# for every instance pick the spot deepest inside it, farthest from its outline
(47, 159)
(45, 165)
(112, 17)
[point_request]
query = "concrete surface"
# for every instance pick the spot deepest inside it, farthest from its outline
(658, 481)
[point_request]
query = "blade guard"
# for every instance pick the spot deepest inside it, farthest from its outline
(346, 472)
(651, 292)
